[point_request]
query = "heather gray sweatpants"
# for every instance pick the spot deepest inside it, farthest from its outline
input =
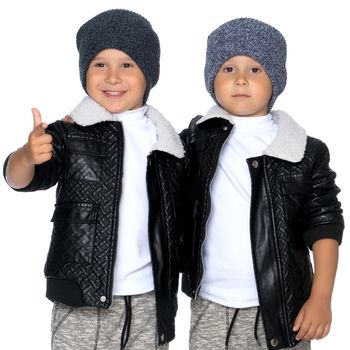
(90, 328)
(210, 323)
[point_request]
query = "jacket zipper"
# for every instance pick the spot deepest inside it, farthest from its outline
(268, 191)
(152, 158)
(253, 194)
(116, 201)
(213, 172)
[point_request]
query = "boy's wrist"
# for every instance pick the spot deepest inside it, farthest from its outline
(25, 156)
(324, 297)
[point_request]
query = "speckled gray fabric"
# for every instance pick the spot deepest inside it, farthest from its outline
(90, 328)
(210, 324)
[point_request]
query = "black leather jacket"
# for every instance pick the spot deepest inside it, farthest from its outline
(87, 164)
(293, 204)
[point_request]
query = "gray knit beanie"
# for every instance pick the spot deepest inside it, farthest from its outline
(122, 30)
(252, 38)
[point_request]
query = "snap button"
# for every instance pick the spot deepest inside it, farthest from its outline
(225, 128)
(274, 342)
(255, 164)
(103, 298)
(162, 337)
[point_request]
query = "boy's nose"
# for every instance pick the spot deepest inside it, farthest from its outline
(113, 77)
(241, 80)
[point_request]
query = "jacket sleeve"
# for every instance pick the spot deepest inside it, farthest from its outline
(323, 213)
(47, 174)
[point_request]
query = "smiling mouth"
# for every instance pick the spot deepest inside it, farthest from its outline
(114, 93)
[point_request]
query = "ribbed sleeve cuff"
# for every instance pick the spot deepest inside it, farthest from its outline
(333, 231)
(34, 183)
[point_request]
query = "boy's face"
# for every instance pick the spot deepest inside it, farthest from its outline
(242, 87)
(115, 81)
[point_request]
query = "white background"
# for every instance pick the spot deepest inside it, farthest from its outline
(39, 67)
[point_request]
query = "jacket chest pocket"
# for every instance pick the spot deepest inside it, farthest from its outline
(73, 235)
(295, 189)
(85, 159)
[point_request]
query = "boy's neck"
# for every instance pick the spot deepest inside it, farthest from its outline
(253, 125)
(131, 116)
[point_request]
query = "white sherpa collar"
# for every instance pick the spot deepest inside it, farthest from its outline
(89, 112)
(289, 143)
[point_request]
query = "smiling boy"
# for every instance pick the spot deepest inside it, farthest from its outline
(111, 268)
(115, 81)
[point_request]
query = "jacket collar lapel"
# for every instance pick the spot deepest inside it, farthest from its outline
(88, 112)
(289, 143)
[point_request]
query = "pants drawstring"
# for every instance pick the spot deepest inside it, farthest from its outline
(230, 328)
(256, 326)
(127, 323)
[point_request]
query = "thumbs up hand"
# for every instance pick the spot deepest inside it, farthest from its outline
(39, 146)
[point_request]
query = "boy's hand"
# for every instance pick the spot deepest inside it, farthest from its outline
(314, 319)
(39, 147)
(68, 119)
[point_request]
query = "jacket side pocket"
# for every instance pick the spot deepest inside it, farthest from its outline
(73, 235)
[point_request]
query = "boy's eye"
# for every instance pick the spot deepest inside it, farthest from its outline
(127, 65)
(99, 65)
(228, 69)
(256, 70)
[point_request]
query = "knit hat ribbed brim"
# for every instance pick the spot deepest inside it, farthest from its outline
(122, 30)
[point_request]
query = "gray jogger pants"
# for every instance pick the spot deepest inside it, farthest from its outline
(90, 328)
(210, 323)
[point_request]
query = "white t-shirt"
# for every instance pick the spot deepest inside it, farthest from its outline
(228, 266)
(133, 269)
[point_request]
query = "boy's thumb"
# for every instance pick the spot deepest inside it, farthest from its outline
(36, 118)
